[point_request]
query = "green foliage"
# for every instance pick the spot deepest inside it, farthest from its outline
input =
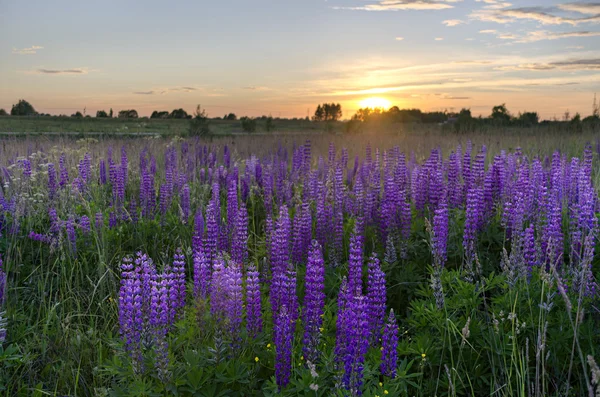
(128, 114)
(22, 108)
(269, 125)
(77, 115)
(159, 114)
(500, 114)
(248, 124)
(328, 112)
(199, 125)
(101, 114)
(3, 112)
(230, 117)
(178, 114)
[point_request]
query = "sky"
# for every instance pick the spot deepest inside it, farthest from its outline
(255, 57)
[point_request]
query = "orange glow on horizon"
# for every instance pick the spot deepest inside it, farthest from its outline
(375, 102)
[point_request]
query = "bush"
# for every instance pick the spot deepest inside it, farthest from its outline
(248, 124)
(101, 114)
(23, 108)
(3, 112)
(269, 126)
(199, 124)
(128, 114)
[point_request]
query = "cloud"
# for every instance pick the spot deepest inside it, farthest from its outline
(62, 71)
(582, 8)
(488, 31)
(452, 22)
(540, 35)
(571, 64)
(494, 4)
(144, 92)
(397, 5)
(472, 62)
(256, 88)
(399, 38)
(439, 39)
(543, 15)
(27, 51)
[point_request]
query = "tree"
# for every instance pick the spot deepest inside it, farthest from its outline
(528, 119)
(178, 114)
(230, 117)
(269, 124)
(23, 108)
(328, 112)
(3, 112)
(199, 123)
(319, 114)
(596, 108)
(248, 124)
(500, 114)
(101, 114)
(128, 114)
(77, 115)
(163, 114)
(110, 114)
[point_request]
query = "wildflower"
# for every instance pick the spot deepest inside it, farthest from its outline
(256, 359)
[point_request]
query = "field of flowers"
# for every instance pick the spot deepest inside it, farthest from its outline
(191, 269)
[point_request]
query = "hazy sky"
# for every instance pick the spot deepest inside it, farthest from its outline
(285, 56)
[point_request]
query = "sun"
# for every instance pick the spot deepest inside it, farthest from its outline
(375, 102)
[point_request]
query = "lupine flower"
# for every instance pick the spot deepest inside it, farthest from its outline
(179, 275)
(283, 335)
(355, 259)
(357, 344)
(314, 301)
(131, 319)
(52, 184)
(253, 302)
(389, 350)
(440, 235)
(185, 203)
(84, 224)
(239, 246)
(159, 323)
(202, 273)
(376, 298)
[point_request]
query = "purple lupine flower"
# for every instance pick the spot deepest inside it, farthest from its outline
(26, 164)
(185, 203)
(84, 224)
(253, 302)
(131, 318)
(314, 301)
(239, 246)
(355, 259)
(42, 238)
(235, 301)
(202, 273)
(357, 344)
(159, 324)
(376, 298)
(52, 183)
(472, 220)
(112, 220)
(389, 351)
(530, 250)
(70, 226)
(439, 241)
(212, 230)
(198, 235)
(390, 256)
(280, 255)
(283, 335)
(124, 164)
(232, 206)
(102, 167)
(179, 273)
(64, 172)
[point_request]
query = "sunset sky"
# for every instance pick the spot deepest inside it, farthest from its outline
(284, 57)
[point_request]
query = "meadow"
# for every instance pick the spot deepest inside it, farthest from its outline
(407, 263)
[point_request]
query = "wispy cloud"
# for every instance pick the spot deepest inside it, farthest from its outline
(543, 15)
(439, 39)
(62, 71)
(256, 88)
(144, 92)
(399, 38)
(27, 51)
(571, 64)
(398, 5)
(539, 35)
(494, 4)
(453, 22)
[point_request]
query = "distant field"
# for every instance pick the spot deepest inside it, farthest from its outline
(117, 126)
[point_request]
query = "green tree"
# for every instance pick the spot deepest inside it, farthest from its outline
(199, 123)
(110, 114)
(248, 124)
(101, 114)
(319, 114)
(22, 108)
(3, 112)
(500, 114)
(528, 119)
(178, 114)
(77, 115)
(269, 126)
(230, 117)
(163, 114)
(128, 114)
